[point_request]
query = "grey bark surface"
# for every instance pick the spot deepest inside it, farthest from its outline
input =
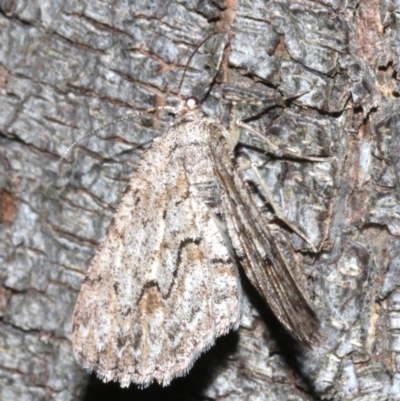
(68, 67)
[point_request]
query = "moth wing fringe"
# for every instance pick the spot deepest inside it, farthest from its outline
(144, 382)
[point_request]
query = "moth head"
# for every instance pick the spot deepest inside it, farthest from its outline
(192, 102)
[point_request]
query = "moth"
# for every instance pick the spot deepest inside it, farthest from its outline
(164, 283)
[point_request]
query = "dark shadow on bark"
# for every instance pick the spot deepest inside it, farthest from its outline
(287, 346)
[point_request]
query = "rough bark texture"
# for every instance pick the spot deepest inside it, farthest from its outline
(67, 67)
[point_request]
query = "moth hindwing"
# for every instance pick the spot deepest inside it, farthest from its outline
(164, 283)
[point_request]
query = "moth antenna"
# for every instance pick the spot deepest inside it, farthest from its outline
(152, 110)
(190, 59)
(128, 117)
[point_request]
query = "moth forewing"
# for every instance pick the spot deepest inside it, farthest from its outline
(163, 284)
(254, 244)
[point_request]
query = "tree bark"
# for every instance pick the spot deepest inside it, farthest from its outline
(67, 68)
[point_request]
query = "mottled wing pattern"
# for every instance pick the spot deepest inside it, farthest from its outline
(260, 257)
(162, 286)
